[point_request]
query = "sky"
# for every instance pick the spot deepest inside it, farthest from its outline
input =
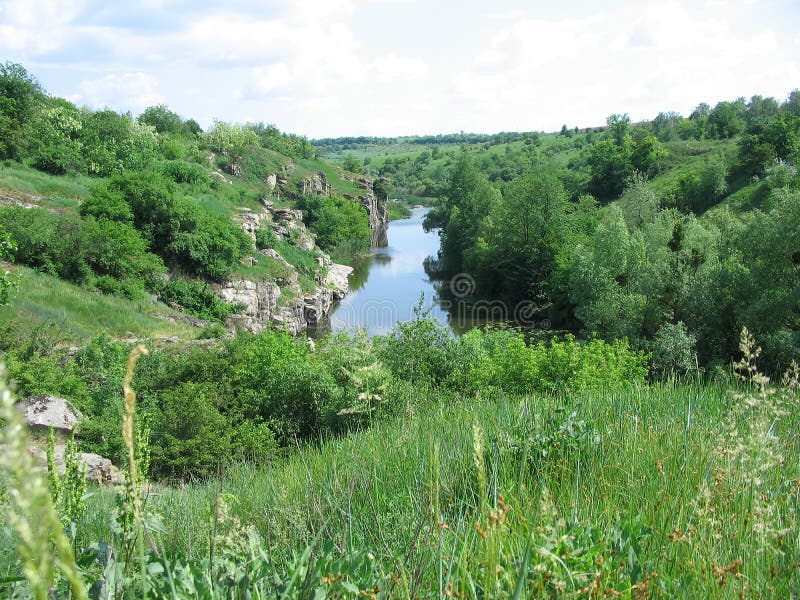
(326, 68)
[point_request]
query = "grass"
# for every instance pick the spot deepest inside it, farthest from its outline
(80, 314)
(625, 494)
(398, 209)
(50, 191)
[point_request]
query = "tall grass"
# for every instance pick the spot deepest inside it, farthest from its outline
(586, 495)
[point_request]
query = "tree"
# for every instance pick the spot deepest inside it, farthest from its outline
(528, 227)
(725, 121)
(20, 92)
(351, 163)
(466, 200)
(618, 126)
(665, 126)
(611, 167)
(161, 119)
(230, 140)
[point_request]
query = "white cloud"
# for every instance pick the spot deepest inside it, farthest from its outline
(660, 56)
(36, 26)
(131, 91)
(319, 67)
(392, 68)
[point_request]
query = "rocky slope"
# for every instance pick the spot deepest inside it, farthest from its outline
(280, 301)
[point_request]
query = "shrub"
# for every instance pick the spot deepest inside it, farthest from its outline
(336, 221)
(673, 350)
(502, 359)
(181, 231)
(265, 238)
(78, 249)
(181, 171)
(420, 350)
(196, 298)
(193, 437)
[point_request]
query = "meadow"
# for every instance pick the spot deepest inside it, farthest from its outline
(676, 489)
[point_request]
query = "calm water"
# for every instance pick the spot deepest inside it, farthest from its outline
(387, 286)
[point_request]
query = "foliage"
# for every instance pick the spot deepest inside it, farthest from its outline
(230, 140)
(465, 201)
(196, 298)
(20, 93)
(181, 231)
(673, 350)
(336, 221)
(8, 280)
(106, 253)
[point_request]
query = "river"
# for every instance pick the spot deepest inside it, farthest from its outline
(385, 288)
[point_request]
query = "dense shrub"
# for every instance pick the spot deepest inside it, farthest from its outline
(181, 171)
(181, 231)
(265, 238)
(502, 359)
(421, 350)
(336, 221)
(673, 350)
(81, 250)
(196, 298)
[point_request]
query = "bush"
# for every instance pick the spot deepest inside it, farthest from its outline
(673, 350)
(181, 231)
(181, 171)
(502, 359)
(420, 350)
(336, 221)
(78, 249)
(193, 437)
(195, 298)
(265, 238)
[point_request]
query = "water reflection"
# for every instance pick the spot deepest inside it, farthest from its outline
(385, 288)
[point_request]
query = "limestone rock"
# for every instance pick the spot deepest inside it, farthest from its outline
(336, 279)
(96, 468)
(45, 412)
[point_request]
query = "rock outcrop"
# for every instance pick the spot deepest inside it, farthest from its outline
(280, 301)
(265, 303)
(97, 469)
(49, 412)
(46, 413)
(376, 210)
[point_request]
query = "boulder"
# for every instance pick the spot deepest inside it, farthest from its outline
(46, 412)
(336, 279)
(96, 468)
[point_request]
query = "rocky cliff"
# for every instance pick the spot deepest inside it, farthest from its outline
(280, 301)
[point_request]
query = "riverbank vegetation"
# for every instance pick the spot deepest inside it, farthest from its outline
(626, 244)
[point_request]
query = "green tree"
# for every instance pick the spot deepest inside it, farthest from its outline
(20, 93)
(162, 119)
(351, 163)
(230, 140)
(526, 229)
(466, 200)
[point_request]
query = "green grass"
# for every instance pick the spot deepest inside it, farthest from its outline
(632, 495)
(398, 209)
(80, 314)
(50, 191)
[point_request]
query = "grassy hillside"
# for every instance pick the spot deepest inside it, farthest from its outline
(76, 315)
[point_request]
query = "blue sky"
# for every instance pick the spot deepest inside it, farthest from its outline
(395, 67)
